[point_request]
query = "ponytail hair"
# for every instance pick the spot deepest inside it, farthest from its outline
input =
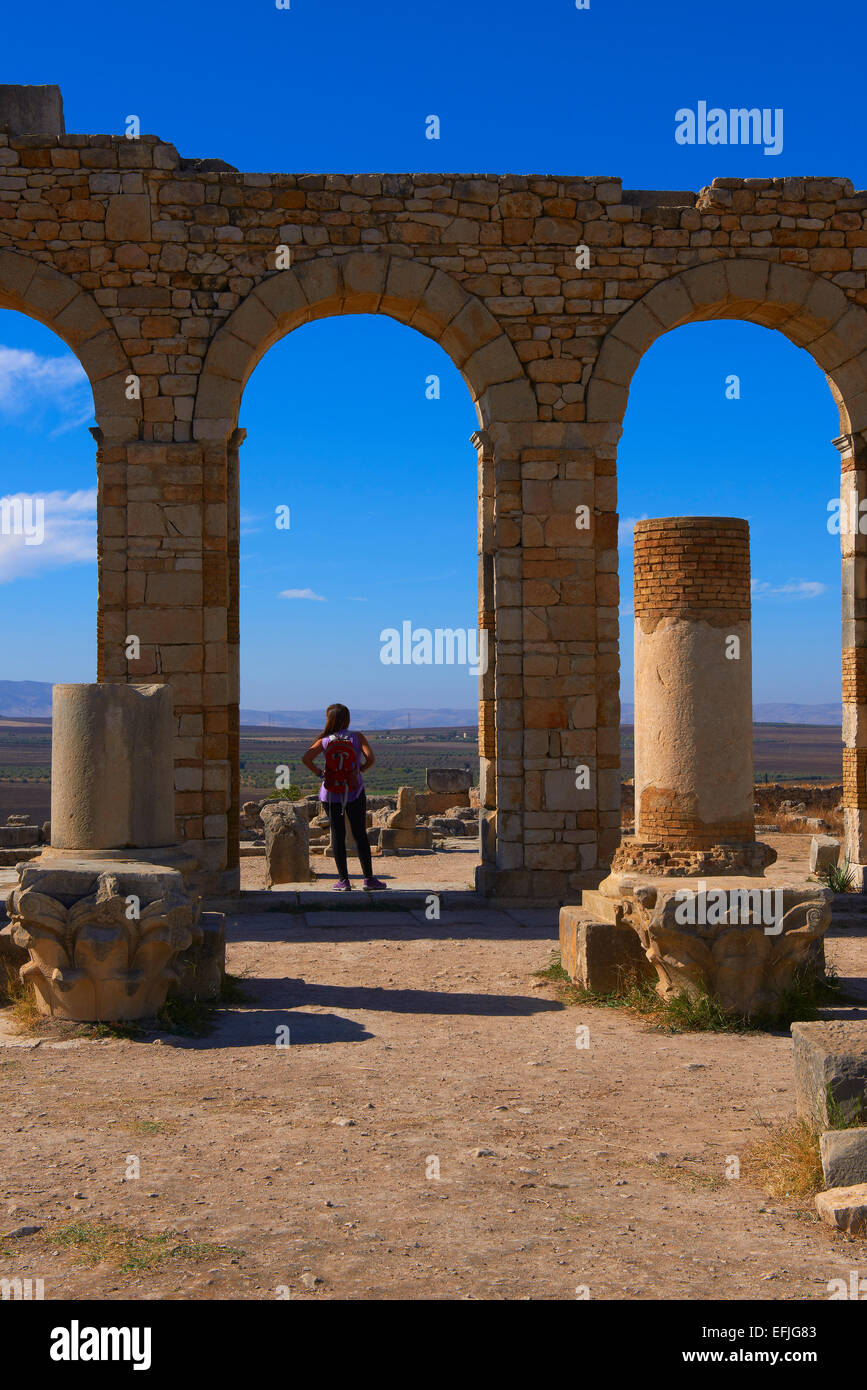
(337, 719)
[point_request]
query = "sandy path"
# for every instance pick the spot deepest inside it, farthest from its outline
(409, 1040)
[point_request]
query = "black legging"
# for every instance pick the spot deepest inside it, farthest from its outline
(356, 814)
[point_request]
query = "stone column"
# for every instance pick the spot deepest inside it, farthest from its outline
(105, 918)
(112, 767)
(853, 557)
(694, 789)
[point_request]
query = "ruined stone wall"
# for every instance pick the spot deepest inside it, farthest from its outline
(149, 264)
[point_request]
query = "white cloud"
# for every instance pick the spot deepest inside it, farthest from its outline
(43, 531)
(301, 593)
(28, 381)
(795, 588)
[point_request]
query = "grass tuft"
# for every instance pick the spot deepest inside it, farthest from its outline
(132, 1252)
(786, 1161)
(18, 996)
(703, 1013)
(838, 877)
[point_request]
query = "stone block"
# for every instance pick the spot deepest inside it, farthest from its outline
(287, 843)
(18, 836)
(435, 803)
(32, 110)
(112, 767)
(845, 1208)
(830, 1060)
(128, 217)
(824, 853)
(844, 1157)
(102, 935)
(201, 968)
(392, 840)
(404, 818)
(599, 956)
(443, 779)
(12, 955)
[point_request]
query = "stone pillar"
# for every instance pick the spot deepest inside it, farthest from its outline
(112, 767)
(693, 683)
(853, 558)
(104, 916)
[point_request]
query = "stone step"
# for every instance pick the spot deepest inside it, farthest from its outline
(452, 896)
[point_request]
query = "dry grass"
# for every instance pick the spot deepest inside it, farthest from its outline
(93, 1242)
(687, 1178)
(785, 1162)
(17, 996)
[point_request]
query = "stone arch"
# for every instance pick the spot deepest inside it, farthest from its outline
(818, 316)
(812, 312)
(364, 283)
(58, 301)
(423, 298)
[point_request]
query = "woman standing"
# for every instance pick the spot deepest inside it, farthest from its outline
(347, 756)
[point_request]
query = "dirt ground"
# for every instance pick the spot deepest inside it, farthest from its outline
(429, 1129)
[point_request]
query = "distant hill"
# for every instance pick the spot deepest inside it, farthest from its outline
(21, 698)
(365, 718)
(773, 714)
(798, 714)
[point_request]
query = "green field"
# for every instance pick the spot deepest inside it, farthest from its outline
(782, 752)
(401, 757)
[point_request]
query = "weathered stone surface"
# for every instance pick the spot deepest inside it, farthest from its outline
(744, 945)
(844, 1156)
(401, 830)
(404, 818)
(128, 217)
(439, 803)
(830, 1060)
(201, 968)
(824, 853)
(601, 956)
(845, 1208)
(448, 779)
(287, 843)
(672, 861)
(10, 952)
(15, 836)
(102, 937)
(112, 767)
(392, 841)
(31, 110)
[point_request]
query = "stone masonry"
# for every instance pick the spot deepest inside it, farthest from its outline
(161, 274)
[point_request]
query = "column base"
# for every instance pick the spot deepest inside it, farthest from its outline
(103, 936)
(672, 861)
(740, 941)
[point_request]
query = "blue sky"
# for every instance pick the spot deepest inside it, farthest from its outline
(379, 479)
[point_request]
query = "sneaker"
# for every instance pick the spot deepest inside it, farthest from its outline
(373, 885)
(341, 886)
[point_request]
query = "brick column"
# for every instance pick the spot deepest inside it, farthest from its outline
(693, 684)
